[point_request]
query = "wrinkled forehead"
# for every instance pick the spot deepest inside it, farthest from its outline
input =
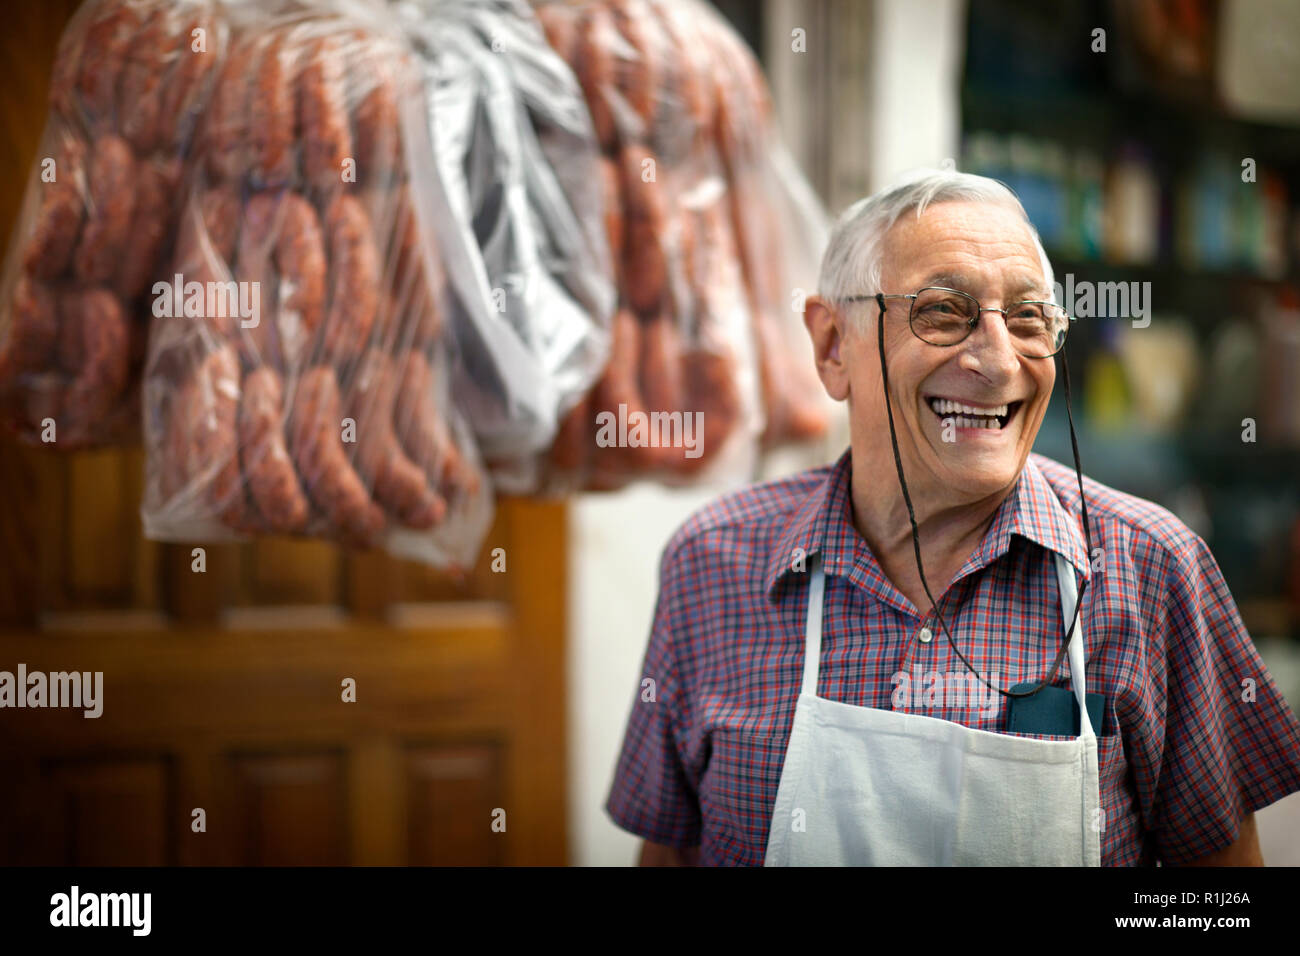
(971, 246)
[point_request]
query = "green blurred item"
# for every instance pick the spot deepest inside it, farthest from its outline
(1107, 401)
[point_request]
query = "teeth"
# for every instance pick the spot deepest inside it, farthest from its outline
(946, 406)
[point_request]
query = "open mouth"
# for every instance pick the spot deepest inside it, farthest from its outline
(964, 415)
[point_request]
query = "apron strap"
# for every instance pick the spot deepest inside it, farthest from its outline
(1078, 679)
(812, 635)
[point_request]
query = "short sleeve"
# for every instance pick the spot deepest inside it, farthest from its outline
(651, 795)
(1232, 743)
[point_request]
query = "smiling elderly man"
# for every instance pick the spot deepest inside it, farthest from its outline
(795, 617)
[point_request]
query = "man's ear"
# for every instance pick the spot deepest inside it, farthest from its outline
(827, 327)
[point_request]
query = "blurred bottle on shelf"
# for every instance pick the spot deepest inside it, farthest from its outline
(1248, 219)
(1272, 262)
(1225, 222)
(1261, 225)
(1279, 405)
(1084, 233)
(1232, 377)
(1132, 208)
(1161, 366)
(1053, 213)
(1036, 170)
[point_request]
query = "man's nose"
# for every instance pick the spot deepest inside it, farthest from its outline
(989, 348)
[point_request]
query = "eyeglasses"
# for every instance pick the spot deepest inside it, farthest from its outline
(946, 317)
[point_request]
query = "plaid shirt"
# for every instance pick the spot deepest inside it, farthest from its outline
(1195, 733)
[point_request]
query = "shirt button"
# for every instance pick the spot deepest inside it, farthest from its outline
(925, 635)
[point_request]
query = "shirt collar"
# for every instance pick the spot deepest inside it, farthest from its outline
(823, 523)
(1034, 511)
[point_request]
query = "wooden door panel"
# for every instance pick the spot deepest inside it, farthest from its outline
(108, 812)
(193, 598)
(289, 571)
(290, 809)
(99, 542)
(455, 793)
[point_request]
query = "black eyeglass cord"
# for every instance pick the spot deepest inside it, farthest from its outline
(916, 537)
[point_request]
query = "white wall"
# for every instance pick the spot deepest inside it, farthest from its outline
(917, 53)
(615, 544)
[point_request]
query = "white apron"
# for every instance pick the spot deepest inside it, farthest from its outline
(873, 787)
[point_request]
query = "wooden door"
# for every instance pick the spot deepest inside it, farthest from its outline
(223, 689)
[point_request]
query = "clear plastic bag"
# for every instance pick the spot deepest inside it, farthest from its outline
(781, 227)
(517, 208)
(298, 378)
(130, 78)
(713, 229)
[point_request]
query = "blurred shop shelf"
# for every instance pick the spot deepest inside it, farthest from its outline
(1104, 119)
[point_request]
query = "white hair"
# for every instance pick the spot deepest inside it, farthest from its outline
(852, 262)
